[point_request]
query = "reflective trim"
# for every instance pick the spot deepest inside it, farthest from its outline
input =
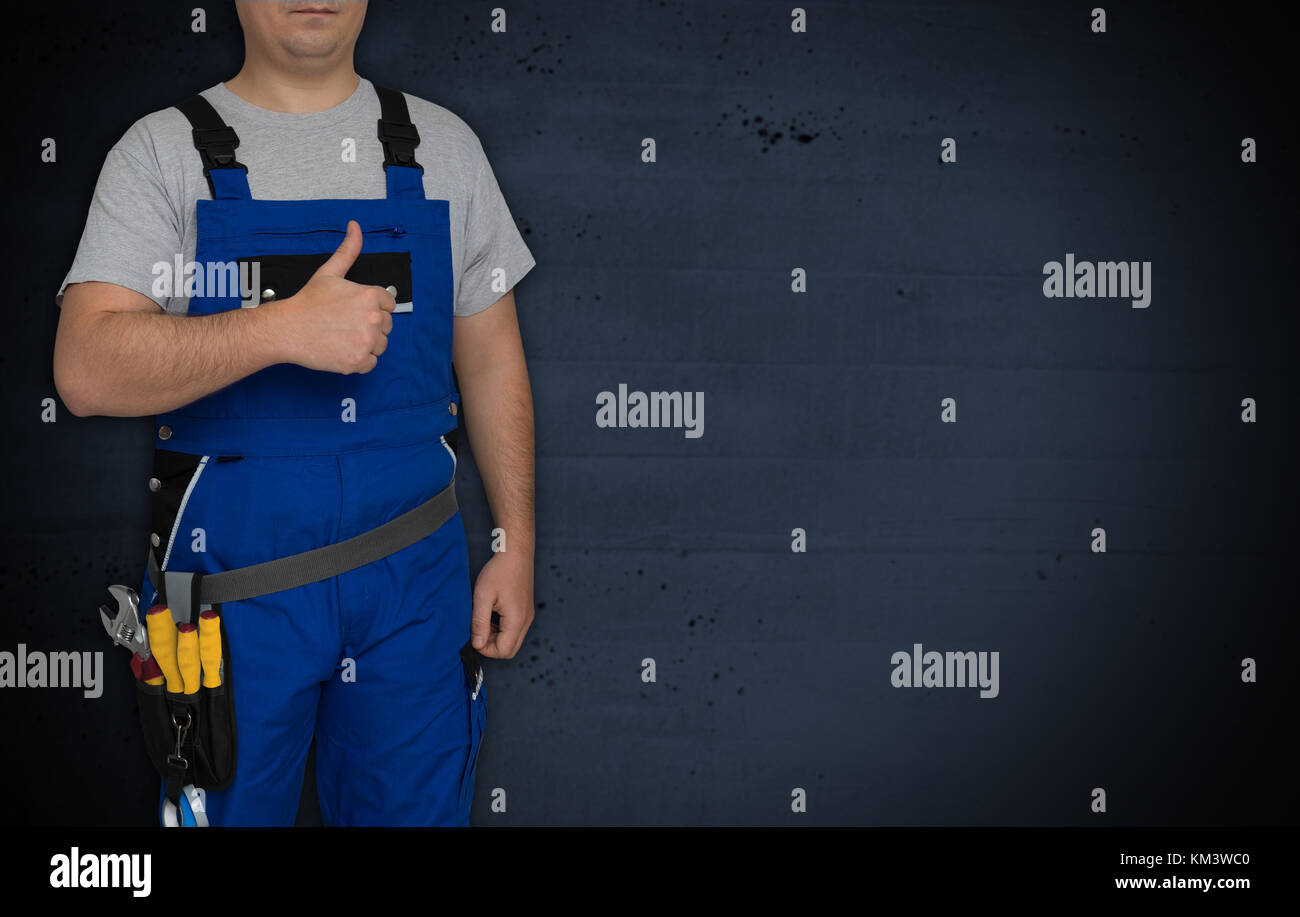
(450, 451)
(180, 513)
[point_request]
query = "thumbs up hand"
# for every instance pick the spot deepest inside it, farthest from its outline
(333, 324)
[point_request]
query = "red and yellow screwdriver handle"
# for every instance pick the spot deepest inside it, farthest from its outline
(163, 645)
(186, 656)
(210, 648)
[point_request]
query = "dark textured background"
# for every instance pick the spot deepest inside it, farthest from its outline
(775, 151)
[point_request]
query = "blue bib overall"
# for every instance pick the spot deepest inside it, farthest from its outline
(290, 459)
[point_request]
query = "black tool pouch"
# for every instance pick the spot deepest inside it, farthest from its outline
(191, 738)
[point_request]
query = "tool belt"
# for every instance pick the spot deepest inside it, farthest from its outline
(190, 735)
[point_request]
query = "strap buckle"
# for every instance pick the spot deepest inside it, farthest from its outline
(217, 147)
(400, 140)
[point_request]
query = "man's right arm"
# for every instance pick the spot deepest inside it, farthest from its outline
(116, 353)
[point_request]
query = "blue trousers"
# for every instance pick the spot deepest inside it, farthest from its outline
(367, 661)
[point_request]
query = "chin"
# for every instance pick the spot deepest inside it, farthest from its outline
(310, 43)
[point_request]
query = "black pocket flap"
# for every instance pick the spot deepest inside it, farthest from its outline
(285, 275)
(472, 660)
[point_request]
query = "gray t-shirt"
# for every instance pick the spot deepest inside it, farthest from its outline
(143, 214)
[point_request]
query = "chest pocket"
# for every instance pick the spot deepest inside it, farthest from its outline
(272, 277)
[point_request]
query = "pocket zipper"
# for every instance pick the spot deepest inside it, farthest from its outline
(396, 229)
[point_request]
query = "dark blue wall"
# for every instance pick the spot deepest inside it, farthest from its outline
(822, 410)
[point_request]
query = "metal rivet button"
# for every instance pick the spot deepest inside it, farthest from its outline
(392, 290)
(154, 539)
(451, 409)
(164, 432)
(268, 294)
(154, 484)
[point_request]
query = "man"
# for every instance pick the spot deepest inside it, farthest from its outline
(317, 405)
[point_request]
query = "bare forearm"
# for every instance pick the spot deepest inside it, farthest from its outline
(499, 421)
(129, 364)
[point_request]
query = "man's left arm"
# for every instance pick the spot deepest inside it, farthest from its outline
(498, 414)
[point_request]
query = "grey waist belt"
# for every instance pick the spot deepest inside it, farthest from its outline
(185, 593)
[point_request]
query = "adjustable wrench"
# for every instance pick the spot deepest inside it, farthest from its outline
(125, 627)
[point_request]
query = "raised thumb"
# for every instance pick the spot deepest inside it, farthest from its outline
(340, 262)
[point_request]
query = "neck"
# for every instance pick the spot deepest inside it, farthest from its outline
(293, 92)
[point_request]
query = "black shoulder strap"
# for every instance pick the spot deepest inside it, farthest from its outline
(396, 132)
(215, 140)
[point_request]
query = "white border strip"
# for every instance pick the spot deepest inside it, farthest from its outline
(176, 526)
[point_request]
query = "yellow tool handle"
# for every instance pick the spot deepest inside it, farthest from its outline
(162, 645)
(210, 648)
(187, 656)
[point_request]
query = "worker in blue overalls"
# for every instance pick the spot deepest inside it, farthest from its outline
(313, 404)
